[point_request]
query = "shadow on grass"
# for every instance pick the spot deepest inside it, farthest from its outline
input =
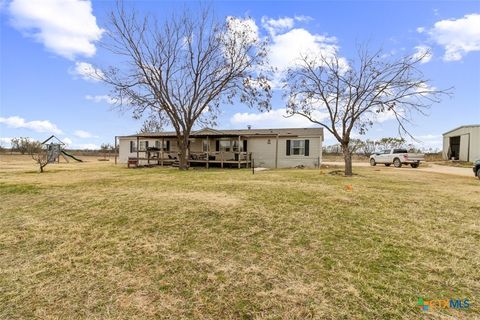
(342, 173)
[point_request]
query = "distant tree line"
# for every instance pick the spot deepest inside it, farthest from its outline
(368, 147)
(25, 145)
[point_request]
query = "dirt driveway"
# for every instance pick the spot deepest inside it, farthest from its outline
(430, 168)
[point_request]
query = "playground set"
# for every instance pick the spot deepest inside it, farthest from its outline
(55, 149)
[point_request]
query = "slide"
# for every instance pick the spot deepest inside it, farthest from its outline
(73, 157)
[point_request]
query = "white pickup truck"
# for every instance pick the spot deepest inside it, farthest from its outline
(397, 157)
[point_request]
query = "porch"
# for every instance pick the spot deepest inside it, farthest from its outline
(220, 159)
(207, 148)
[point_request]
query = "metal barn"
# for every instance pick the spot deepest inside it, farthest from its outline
(462, 143)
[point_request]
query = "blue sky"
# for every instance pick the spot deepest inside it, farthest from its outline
(48, 49)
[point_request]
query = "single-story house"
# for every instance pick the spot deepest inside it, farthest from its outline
(271, 148)
(462, 143)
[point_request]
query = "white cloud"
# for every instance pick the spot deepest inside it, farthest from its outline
(421, 29)
(288, 44)
(384, 116)
(425, 142)
(424, 89)
(303, 18)
(277, 25)
(275, 118)
(247, 28)
(36, 125)
(81, 146)
(101, 98)
(67, 141)
(86, 71)
(85, 146)
(240, 31)
(274, 26)
(423, 52)
(84, 134)
(5, 142)
(287, 48)
(67, 28)
(458, 37)
(430, 137)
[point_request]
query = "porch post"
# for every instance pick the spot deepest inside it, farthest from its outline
(163, 145)
(208, 152)
(138, 147)
(148, 155)
(238, 149)
(276, 152)
(115, 149)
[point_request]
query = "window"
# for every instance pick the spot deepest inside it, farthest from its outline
(235, 146)
(400, 151)
(142, 145)
(166, 144)
(133, 146)
(297, 147)
(225, 145)
(229, 145)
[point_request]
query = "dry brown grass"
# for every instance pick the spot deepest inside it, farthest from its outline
(339, 157)
(459, 164)
(94, 240)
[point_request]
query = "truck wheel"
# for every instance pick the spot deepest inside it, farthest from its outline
(372, 162)
(478, 173)
(414, 165)
(397, 163)
(387, 164)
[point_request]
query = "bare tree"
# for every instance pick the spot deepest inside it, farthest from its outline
(367, 147)
(39, 155)
(391, 143)
(343, 96)
(24, 145)
(185, 67)
(106, 148)
(153, 123)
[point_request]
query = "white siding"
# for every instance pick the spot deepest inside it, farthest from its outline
(310, 161)
(264, 150)
(264, 153)
(124, 148)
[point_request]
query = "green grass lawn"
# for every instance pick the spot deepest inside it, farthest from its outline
(95, 240)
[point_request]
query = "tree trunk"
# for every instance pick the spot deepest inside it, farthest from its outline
(347, 157)
(183, 154)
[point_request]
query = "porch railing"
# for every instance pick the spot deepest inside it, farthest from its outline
(167, 157)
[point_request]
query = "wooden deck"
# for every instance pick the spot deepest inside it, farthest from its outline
(206, 159)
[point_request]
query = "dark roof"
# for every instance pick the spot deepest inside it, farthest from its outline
(52, 137)
(237, 132)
